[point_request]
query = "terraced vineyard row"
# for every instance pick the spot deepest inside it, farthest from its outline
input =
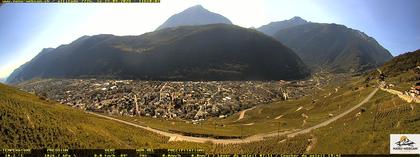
(401, 109)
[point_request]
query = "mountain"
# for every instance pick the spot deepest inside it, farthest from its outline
(196, 15)
(209, 52)
(334, 47)
(271, 28)
(28, 121)
(27, 65)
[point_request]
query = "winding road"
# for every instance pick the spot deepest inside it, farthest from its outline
(402, 96)
(257, 137)
(242, 113)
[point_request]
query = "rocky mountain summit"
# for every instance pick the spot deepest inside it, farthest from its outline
(196, 15)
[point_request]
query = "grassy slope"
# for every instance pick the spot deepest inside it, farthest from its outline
(400, 71)
(29, 122)
(353, 134)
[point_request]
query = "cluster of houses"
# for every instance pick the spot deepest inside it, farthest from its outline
(167, 99)
(414, 91)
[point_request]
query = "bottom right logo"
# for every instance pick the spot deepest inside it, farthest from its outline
(404, 144)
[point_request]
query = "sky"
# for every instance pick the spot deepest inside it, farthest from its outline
(27, 28)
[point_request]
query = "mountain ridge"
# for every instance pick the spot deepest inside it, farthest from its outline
(209, 52)
(272, 27)
(334, 47)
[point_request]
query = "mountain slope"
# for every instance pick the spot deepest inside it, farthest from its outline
(402, 63)
(273, 27)
(30, 122)
(209, 52)
(18, 71)
(402, 71)
(333, 46)
(383, 115)
(196, 15)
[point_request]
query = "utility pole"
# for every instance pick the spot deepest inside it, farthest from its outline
(278, 131)
(241, 146)
(215, 125)
(241, 131)
(374, 118)
(374, 122)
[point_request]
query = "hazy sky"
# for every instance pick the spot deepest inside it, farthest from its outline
(25, 29)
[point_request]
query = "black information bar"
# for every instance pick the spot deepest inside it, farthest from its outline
(158, 153)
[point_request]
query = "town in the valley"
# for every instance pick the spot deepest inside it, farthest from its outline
(169, 99)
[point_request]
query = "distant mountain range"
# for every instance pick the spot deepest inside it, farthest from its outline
(197, 44)
(334, 47)
(328, 46)
(209, 52)
(196, 15)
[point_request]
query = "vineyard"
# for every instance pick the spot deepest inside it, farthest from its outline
(394, 111)
(367, 129)
(29, 122)
(274, 145)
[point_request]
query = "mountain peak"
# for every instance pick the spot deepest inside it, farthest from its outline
(273, 27)
(195, 15)
(197, 7)
(297, 18)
